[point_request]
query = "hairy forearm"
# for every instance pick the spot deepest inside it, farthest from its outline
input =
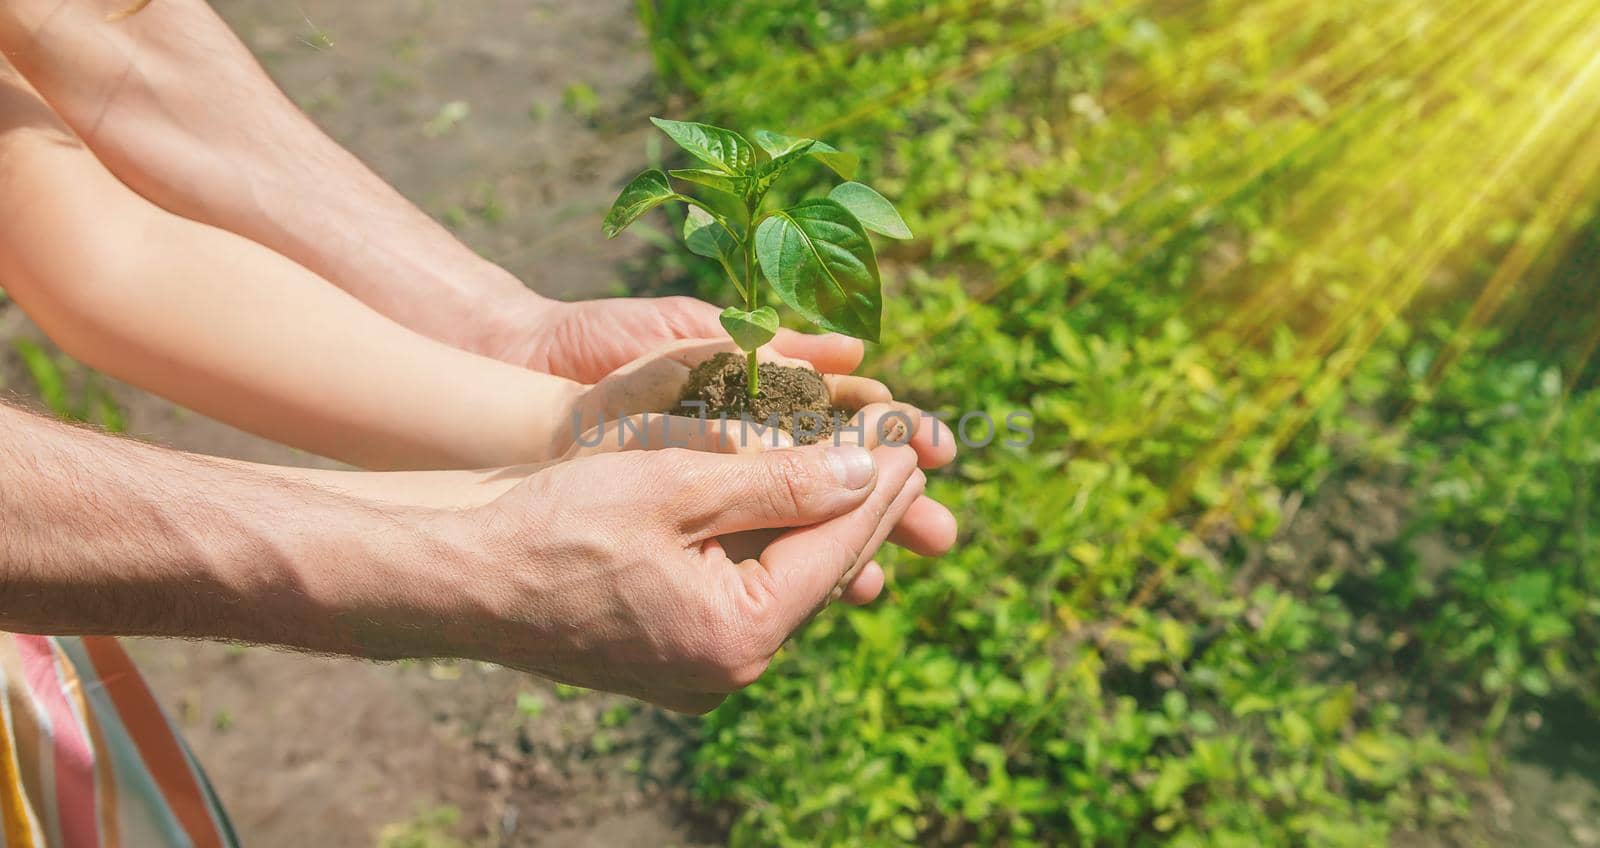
(179, 110)
(227, 327)
(110, 536)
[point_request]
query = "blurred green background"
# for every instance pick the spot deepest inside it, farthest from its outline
(1302, 298)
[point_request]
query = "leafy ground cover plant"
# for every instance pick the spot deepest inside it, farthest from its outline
(815, 253)
(1175, 621)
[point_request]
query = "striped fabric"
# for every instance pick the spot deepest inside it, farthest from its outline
(87, 757)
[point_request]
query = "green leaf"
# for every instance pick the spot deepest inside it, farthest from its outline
(713, 180)
(1251, 703)
(705, 237)
(819, 259)
(1174, 636)
(750, 330)
(1336, 710)
(775, 166)
(725, 150)
(872, 209)
(1357, 766)
(777, 144)
(645, 192)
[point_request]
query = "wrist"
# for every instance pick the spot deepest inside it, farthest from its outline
(287, 559)
(500, 300)
(357, 578)
(509, 322)
(430, 583)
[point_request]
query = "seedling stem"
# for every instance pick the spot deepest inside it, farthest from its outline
(815, 253)
(752, 299)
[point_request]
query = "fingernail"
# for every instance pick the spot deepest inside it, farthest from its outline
(852, 465)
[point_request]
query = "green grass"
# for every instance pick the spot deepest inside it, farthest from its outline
(1262, 273)
(433, 827)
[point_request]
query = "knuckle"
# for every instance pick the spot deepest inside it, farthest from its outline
(672, 469)
(760, 590)
(918, 484)
(902, 460)
(837, 554)
(666, 463)
(790, 479)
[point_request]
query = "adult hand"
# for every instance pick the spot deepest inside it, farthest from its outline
(926, 528)
(651, 384)
(607, 571)
(586, 340)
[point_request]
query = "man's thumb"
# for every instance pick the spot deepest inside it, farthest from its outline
(789, 487)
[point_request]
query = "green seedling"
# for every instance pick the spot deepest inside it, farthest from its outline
(815, 253)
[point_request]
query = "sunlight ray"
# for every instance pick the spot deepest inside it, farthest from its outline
(1364, 336)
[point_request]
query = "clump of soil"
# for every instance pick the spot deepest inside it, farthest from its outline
(787, 395)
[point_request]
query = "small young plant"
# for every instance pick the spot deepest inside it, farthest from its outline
(816, 253)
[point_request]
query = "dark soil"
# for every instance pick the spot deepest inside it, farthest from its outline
(794, 398)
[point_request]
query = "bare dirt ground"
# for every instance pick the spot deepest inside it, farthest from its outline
(514, 123)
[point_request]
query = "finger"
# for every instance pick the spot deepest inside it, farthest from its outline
(692, 352)
(932, 439)
(655, 381)
(654, 431)
(927, 538)
(894, 417)
(650, 431)
(745, 435)
(866, 587)
(829, 353)
(798, 572)
(892, 424)
(934, 442)
(750, 543)
(851, 392)
(648, 384)
(902, 502)
(787, 487)
(928, 529)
